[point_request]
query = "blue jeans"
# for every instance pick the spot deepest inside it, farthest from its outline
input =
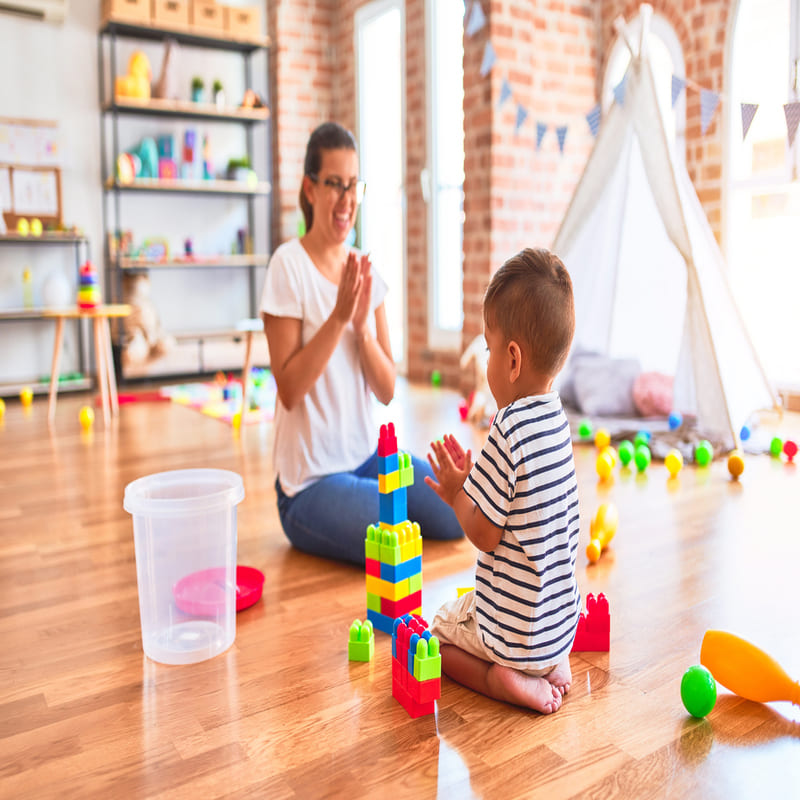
(330, 517)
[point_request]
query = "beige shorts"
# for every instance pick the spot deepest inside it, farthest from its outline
(456, 623)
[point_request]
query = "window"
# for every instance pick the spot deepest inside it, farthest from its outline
(443, 180)
(763, 192)
(381, 122)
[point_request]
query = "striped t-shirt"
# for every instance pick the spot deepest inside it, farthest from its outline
(526, 595)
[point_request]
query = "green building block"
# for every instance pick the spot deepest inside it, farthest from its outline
(361, 646)
(406, 469)
(427, 661)
(372, 544)
(390, 548)
(415, 583)
(373, 602)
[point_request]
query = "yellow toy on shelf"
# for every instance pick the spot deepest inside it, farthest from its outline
(137, 82)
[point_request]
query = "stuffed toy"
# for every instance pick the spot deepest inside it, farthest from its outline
(145, 340)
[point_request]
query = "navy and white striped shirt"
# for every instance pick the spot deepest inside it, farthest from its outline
(526, 593)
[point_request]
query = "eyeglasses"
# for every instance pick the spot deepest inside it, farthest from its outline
(338, 186)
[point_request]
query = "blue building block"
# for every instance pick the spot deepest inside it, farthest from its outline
(380, 621)
(392, 507)
(387, 464)
(401, 571)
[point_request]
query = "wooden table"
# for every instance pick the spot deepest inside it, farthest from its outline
(248, 327)
(102, 349)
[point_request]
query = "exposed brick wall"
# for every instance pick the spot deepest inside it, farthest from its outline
(553, 53)
(702, 27)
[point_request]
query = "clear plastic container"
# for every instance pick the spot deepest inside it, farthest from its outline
(184, 529)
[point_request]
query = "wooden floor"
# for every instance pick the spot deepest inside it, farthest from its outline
(283, 714)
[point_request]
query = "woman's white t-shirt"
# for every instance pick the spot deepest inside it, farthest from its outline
(331, 429)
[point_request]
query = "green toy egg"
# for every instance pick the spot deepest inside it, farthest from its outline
(585, 429)
(642, 457)
(776, 447)
(698, 691)
(625, 451)
(703, 453)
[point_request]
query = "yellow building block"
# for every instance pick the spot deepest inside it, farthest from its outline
(389, 483)
(391, 591)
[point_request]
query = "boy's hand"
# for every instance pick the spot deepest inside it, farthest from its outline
(450, 465)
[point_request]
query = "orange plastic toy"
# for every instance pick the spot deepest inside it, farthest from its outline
(746, 670)
(604, 526)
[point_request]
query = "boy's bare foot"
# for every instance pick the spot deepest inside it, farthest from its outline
(561, 677)
(516, 687)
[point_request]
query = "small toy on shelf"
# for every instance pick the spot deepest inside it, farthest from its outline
(23, 227)
(198, 89)
(603, 527)
(219, 94)
(361, 644)
(251, 100)
(36, 227)
(698, 691)
(594, 626)
(88, 289)
(137, 82)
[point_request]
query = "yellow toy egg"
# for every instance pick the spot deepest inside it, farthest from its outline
(2, 408)
(36, 226)
(602, 438)
(593, 551)
(23, 226)
(611, 453)
(735, 463)
(673, 462)
(86, 417)
(606, 518)
(26, 396)
(604, 466)
(139, 65)
(236, 420)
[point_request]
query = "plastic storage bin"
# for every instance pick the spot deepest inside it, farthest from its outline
(184, 529)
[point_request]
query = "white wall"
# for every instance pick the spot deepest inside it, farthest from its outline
(55, 69)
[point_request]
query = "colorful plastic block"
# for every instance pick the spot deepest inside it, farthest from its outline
(389, 482)
(387, 441)
(392, 508)
(398, 572)
(427, 661)
(391, 591)
(361, 645)
(380, 621)
(387, 464)
(405, 605)
(372, 544)
(374, 567)
(406, 470)
(594, 626)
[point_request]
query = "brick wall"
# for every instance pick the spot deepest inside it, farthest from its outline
(552, 52)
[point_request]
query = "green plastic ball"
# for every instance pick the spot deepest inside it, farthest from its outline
(698, 691)
(776, 447)
(585, 429)
(625, 452)
(642, 457)
(643, 437)
(436, 378)
(703, 453)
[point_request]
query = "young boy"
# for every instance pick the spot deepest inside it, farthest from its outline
(510, 639)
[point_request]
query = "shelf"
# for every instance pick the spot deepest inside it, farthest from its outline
(43, 387)
(211, 262)
(183, 36)
(47, 237)
(20, 314)
(212, 187)
(186, 109)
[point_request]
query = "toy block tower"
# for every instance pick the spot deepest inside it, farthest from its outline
(416, 666)
(393, 546)
(594, 626)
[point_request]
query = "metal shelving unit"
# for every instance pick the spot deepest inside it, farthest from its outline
(117, 109)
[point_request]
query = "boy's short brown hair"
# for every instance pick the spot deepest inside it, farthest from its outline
(530, 300)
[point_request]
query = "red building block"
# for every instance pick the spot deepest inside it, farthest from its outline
(387, 441)
(405, 605)
(373, 567)
(594, 626)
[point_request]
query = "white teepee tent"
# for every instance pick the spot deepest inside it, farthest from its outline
(645, 265)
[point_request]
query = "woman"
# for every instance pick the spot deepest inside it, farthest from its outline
(329, 348)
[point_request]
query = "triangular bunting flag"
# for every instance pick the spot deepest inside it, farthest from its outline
(476, 19)
(792, 113)
(619, 91)
(489, 58)
(748, 112)
(678, 85)
(522, 115)
(505, 93)
(593, 118)
(561, 132)
(708, 105)
(541, 129)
